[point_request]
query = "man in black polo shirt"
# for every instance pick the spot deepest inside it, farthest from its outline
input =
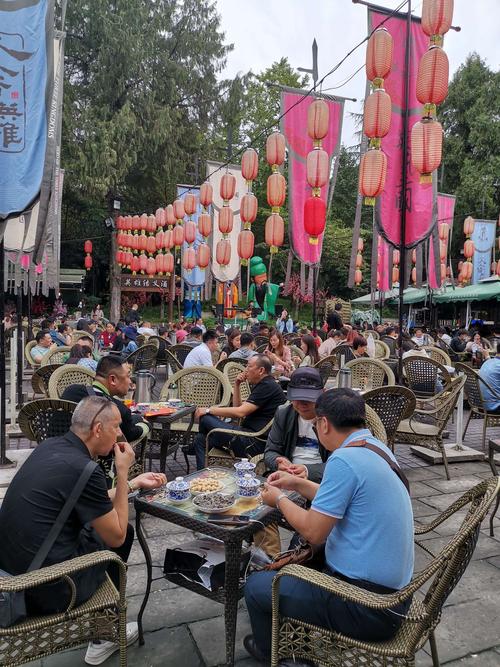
(257, 411)
(98, 521)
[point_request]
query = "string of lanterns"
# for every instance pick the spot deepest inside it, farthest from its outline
(248, 206)
(87, 248)
(276, 192)
(466, 268)
(317, 170)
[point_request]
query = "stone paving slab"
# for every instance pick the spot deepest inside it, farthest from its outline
(214, 652)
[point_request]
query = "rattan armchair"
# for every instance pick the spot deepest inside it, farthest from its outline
(392, 404)
(180, 352)
(143, 359)
(382, 350)
(56, 356)
(231, 369)
(370, 373)
(261, 340)
(103, 616)
(27, 353)
(429, 433)
(216, 456)
(438, 354)
(422, 375)
(45, 418)
(327, 367)
(67, 375)
(478, 408)
(292, 637)
(40, 379)
(171, 361)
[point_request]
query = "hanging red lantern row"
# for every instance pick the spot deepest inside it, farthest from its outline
(189, 259)
(276, 191)
(414, 266)
(246, 244)
(223, 252)
(87, 248)
(227, 188)
(358, 274)
(190, 204)
(436, 19)
(317, 170)
(377, 116)
(469, 249)
(203, 256)
(248, 205)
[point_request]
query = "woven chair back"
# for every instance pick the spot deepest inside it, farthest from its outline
(446, 402)
(262, 348)
(438, 354)
(144, 358)
(171, 361)
(67, 375)
(472, 386)
(56, 356)
(345, 351)
(375, 334)
(231, 370)
(76, 335)
(374, 424)
(45, 418)
(370, 373)
(292, 339)
(180, 352)
(155, 340)
(27, 353)
(41, 377)
(202, 386)
(422, 375)
(241, 363)
(296, 351)
(382, 350)
(261, 340)
(392, 404)
(327, 367)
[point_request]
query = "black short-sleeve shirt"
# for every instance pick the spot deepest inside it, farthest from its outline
(36, 496)
(267, 395)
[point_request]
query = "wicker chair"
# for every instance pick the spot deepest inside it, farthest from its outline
(429, 433)
(40, 379)
(56, 356)
(143, 359)
(103, 616)
(293, 339)
(422, 374)
(328, 368)
(370, 373)
(375, 425)
(293, 637)
(382, 350)
(224, 362)
(27, 353)
(76, 335)
(154, 340)
(231, 370)
(180, 352)
(438, 354)
(171, 361)
(67, 375)
(375, 334)
(392, 404)
(225, 457)
(343, 350)
(45, 418)
(262, 348)
(478, 409)
(296, 351)
(261, 340)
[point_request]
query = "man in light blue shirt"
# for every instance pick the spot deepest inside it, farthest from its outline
(490, 373)
(361, 510)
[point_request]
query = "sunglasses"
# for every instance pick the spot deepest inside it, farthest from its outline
(103, 407)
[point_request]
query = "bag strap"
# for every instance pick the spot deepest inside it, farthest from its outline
(71, 501)
(90, 390)
(394, 466)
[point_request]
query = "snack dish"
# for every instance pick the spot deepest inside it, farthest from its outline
(217, 474)
(205, 485)
(214, 503)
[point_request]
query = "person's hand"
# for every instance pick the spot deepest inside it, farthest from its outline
(124, 457)
(200, 412)
(282, 463)
(283, 480)
(241, 377)
(149, 480)
(296, 360)
(298, 470)
(269, 494)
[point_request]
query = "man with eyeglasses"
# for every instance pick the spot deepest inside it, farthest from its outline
(99, 519)
(361, 511)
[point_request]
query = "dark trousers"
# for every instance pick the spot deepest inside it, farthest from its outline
(238, 445)
(54, 598)
(301, 600)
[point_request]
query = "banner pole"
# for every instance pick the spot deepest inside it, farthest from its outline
(404, 180)
(4, 461)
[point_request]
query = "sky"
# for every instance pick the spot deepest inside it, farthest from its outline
(263, 31)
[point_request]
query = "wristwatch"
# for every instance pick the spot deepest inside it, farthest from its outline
(207, 411)
(280, 497)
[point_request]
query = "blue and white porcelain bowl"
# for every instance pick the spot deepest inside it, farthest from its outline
(248, 486)
(178, 490)
(244, 467)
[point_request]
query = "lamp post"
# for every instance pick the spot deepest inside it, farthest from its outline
(114, 200)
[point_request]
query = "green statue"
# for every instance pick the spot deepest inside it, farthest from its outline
(261, 292)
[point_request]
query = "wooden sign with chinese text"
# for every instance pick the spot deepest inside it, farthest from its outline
(138, 283)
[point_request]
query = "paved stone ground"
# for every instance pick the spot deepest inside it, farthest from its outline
(185, 629)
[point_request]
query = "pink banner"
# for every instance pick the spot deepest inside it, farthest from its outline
(446, 210)
(384, 265)
(420, 198)
(294, 127)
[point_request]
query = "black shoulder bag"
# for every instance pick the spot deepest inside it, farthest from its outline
(12, 604)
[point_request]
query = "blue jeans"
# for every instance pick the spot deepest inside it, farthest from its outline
(239, 446)
(301, 600)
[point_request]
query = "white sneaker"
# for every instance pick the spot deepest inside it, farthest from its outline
(98, 652)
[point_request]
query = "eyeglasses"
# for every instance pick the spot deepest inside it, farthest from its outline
(103, 407)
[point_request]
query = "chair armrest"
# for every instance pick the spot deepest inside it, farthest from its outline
(54, 572)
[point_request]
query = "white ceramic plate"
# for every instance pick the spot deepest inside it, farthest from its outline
(213, 510)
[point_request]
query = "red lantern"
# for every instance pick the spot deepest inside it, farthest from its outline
(136, 223)
(436, 17)
(227, 186)
(203, 255)
(119, 222)
(395, 275)
(159, 240)
(168, 239)
(443, 272)
(469, 224)
(179, 210)
(467, 271)
(249, 164)
(189, 259)
(226, 219)
(372, 173)
(135, 242)
(275, 231)
(414, 256)
(128, 259)
(444, 230)
(379, 56)
(359, 260)
(143, 223)
(414, 276)
(426, 147)
(135, 265)
(248, 208)
(190, 231)
(432, 77)
(318, 119)
(276, 190)
(314, 218)
(358, 277)
(178, 235)
(246, 243)
(87, 247)
(151, 267)
(275, 149)
(377, 116)
(142, 241)
(118, 257)
(151, 227)
(205, 224)
(206, 194)
(143, 263)
(160, 217)
(151, 245)
(169, 263)
(469, 249)
(317, 167)
(361, 245)
(223, 252)
(460, 266)
(170, 215)
(160, 264)
(189, 203)
(443, 250)
(396, 258)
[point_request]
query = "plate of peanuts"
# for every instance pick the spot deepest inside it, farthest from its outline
(205, 485)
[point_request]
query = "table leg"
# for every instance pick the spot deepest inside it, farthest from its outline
(149, 570)
(165, 431)
(231, 585)
(185, 441)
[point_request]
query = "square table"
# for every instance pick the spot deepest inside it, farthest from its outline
(166, 421)
(188, 516)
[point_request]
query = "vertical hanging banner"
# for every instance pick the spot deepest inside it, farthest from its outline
(294, 127)
(214, 175)
(384, 267)
(446, 211)
(421, 199)
(484, 240)
(26, 100)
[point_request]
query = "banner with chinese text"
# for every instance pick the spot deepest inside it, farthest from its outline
(484, 240)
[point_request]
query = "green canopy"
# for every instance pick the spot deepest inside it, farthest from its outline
(484, 291)
(366, 299)
(411, 295)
